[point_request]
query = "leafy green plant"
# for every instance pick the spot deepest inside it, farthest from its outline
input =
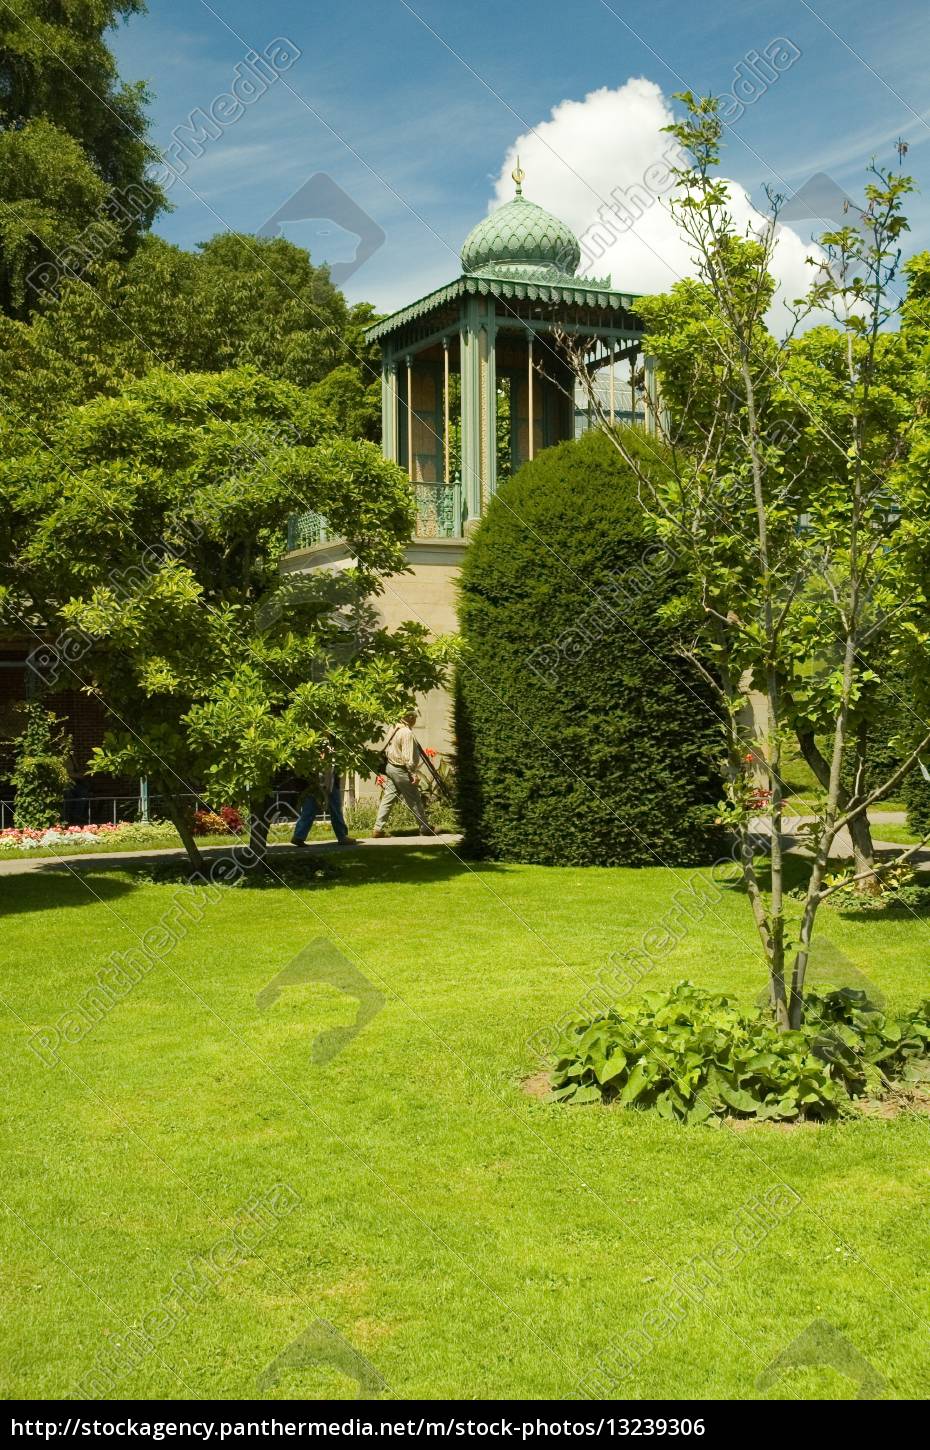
(897, 889)
(694, 1056)
(40, 773)
(858, 1038)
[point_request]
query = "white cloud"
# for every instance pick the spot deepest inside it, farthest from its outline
(601, 165)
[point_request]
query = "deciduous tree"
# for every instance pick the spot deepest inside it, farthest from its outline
(798, 498)
(153, 525)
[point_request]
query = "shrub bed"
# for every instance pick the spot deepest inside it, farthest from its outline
(693, 1056)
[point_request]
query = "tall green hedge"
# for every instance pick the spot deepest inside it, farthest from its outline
(584, 737)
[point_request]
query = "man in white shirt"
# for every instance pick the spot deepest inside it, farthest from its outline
(400, 776)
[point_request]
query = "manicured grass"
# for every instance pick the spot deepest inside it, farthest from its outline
(465, 1238)
(899, 835)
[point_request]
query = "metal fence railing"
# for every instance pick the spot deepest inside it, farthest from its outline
(307, 529)
(439, 510)
(112, 809)
(439, 516)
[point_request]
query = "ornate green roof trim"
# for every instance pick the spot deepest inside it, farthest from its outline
(575, 291)
(512, 271)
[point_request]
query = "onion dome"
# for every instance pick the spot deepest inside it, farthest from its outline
(521, 240)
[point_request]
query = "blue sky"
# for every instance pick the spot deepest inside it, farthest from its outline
(412, 108)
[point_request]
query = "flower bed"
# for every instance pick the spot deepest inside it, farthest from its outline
(29, 840)
(224, 822)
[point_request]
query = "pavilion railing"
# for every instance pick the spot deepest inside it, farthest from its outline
(306, 529)
(439, 516)
(439, 510)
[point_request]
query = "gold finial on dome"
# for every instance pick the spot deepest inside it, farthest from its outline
(518, 175)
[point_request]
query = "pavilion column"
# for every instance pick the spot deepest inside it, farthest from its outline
(471, 411)
(395, 416)
(652, 396)
(446, 441)
(411, 457)
(661, 412)
(388, 409)
(489, 407)
(591, 352)
(530, 424)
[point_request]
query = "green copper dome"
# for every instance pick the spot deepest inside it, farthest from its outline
(521, 240)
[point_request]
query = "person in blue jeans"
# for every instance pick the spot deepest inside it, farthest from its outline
(309, 810)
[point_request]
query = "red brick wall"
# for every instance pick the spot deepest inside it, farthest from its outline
(84, 717)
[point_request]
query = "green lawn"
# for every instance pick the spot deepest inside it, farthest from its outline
(899, 835)
(462, 1237)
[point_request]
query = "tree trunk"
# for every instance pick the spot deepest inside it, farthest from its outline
(259, 823)
(772, 942)
(860, 831)
(805, 935)
(181, 821)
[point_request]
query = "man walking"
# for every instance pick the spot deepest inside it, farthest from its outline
(309, 811)
(400, 776)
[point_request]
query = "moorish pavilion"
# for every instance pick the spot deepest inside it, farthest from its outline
(476, 380)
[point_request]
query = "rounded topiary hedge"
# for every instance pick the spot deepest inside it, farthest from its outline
(584, 737)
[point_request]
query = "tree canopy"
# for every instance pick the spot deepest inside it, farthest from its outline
(150, 530)
(73, 144)
(236, 301)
